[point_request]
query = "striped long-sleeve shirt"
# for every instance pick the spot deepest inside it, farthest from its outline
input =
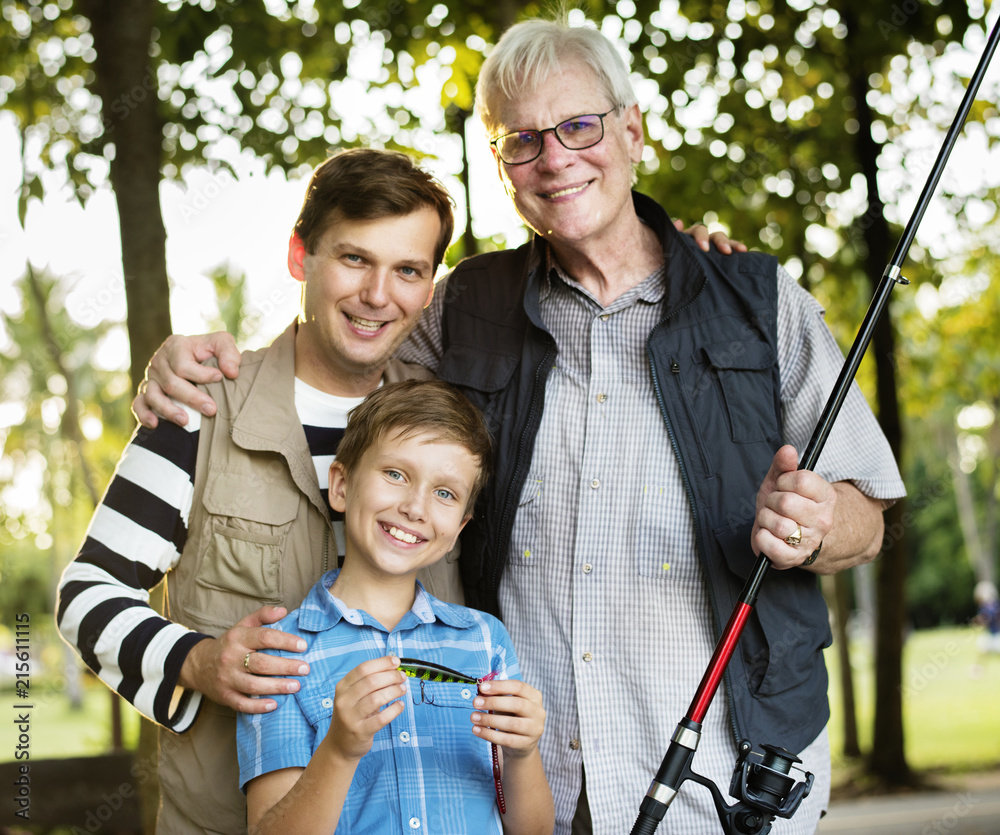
(136, 536)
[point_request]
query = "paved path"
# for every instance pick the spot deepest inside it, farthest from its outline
(970, 806)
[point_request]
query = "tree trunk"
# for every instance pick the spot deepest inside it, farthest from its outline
(456, 120)
(980, 558)
(126, 81)
(888, 756)
(836, 587)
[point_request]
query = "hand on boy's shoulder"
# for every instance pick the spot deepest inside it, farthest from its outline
(234, 670)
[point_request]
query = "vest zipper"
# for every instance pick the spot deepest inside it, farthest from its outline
(326, 548)
(675, 371)
(699, 544)
(515, 482)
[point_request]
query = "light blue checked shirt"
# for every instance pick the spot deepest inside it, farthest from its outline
(427, 773)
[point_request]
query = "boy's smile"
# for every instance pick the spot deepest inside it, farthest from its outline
(404, 504)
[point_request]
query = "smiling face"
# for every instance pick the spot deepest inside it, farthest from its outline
(573, 198)
(405, 503)
(365, 287)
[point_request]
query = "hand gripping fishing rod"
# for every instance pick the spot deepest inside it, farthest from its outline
(761, 782)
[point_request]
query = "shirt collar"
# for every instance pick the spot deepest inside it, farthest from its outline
(650, 290)
(683, 277)
(321, 610)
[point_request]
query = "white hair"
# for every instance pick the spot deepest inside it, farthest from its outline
(532, 51)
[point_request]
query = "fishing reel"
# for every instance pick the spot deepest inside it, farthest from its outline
(762, 784)
(764, 787)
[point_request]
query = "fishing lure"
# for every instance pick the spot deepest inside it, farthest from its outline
(426, 671)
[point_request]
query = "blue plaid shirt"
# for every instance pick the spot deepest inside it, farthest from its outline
(427, 773)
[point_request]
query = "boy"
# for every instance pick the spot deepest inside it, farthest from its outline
(356, 747)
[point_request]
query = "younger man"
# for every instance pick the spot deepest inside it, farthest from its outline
(356, 747)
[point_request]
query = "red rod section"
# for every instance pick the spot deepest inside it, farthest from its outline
(720, 659)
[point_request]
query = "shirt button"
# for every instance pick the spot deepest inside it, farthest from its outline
(588, 657)
(587, 568)
(466, 694)
(404, 736)
(605, 317)
(595, 483)
(601, 397)
(414, 823)
(327, 702)
(574, 744)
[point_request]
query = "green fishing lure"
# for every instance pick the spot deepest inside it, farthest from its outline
(426, 671)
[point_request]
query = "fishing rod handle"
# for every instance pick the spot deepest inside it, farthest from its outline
(648, 820)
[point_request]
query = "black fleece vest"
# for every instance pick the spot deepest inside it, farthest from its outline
(713, 362)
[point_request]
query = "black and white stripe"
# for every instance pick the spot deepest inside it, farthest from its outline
(136, 536)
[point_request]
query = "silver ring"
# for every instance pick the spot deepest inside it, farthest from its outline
(246, 660)
(795, 539)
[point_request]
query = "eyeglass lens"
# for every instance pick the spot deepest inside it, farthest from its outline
(576, 134)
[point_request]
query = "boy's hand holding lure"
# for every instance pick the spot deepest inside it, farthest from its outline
(509, 712)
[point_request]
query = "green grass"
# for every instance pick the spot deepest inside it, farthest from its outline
(59, 730)
(951, 710)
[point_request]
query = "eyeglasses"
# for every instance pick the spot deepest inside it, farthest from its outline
(521, 146)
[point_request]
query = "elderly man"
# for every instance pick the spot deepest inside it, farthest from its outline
(641, 392)
(647, 401)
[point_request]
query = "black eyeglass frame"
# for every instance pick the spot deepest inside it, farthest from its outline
(555, 132)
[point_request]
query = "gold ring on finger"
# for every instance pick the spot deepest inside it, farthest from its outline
(795, 539)
(246, 660)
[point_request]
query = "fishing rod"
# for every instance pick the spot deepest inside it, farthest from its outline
(762, 782)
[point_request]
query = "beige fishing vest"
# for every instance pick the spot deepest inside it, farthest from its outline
(259, 533)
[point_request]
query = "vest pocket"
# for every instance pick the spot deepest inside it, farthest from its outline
(743, 370)
(477, 367)
(789, 627)
(245, 536)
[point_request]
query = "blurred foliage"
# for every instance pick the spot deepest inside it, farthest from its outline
(62, 448)
(231, 298)
(753, 121)
(952, 374)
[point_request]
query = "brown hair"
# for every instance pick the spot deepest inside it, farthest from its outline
(411, 407)
(367, 184)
